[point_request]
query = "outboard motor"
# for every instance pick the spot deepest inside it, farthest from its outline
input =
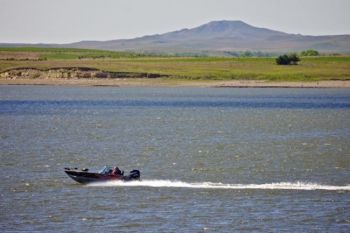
(133, 175)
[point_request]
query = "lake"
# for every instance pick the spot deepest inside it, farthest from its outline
(211, 159)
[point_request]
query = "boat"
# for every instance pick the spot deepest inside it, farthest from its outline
(107, 173)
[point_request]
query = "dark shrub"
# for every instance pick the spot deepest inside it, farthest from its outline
(288, 59)
(282, 60)
(293, 58)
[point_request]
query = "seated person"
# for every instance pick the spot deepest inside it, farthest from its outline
(116, 171)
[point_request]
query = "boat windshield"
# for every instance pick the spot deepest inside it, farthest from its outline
(106, 170)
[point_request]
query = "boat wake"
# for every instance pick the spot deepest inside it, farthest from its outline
(209, 185)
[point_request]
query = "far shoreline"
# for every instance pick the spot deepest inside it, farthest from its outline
(164, 82)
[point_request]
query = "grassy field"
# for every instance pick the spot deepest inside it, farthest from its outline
(60, 53)
(184, 68)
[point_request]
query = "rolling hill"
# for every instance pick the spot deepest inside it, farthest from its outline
(224, 36)
(219, 36)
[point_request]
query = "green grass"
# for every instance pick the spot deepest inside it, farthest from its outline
(190, 68)
(70, 53)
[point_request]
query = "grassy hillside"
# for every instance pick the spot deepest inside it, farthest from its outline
(310, 68)
(60, 53)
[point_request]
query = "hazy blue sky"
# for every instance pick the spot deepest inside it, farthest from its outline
(59, 21)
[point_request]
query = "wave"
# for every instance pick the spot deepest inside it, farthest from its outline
(210, 185)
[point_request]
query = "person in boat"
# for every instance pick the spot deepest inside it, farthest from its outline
(116, 171)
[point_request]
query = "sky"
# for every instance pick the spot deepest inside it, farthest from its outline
(63, 21)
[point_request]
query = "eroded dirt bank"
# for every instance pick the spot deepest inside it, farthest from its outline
(71, 73)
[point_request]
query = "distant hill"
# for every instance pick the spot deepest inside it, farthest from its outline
(221, 36)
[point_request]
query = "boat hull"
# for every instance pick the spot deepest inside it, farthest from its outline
(83, 177)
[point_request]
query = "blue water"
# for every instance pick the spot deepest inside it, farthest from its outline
(211, 160)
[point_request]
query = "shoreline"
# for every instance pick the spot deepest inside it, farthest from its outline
(163, 82)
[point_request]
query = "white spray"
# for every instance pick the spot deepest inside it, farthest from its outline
(210, 185)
